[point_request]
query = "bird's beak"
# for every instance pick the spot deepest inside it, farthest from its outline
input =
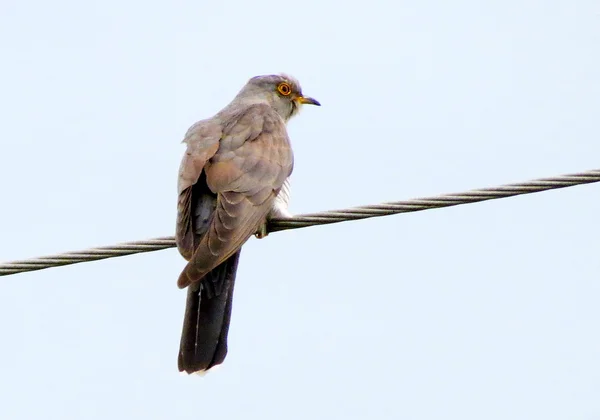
(307, 100)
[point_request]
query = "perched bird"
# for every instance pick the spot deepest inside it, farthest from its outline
(233, 177)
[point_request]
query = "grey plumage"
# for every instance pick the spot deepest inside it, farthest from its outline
(234, 168)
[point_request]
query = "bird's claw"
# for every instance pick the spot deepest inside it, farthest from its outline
(262, 231)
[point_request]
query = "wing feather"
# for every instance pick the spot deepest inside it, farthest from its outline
(202, 141)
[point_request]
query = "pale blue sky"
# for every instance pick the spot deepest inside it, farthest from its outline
(484, 311)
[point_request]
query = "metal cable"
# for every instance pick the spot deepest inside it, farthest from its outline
(314, 219)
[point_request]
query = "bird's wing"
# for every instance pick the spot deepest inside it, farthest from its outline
(253, 160)
(195, 200)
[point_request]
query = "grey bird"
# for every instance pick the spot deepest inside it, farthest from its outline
(233, 178)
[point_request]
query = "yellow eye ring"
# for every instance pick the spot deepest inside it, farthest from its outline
(284, 88)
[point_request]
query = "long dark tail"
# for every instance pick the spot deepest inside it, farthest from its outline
(206, 321)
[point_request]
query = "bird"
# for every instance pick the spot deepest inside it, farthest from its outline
(234, 177)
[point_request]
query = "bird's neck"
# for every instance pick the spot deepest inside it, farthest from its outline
(244, 101)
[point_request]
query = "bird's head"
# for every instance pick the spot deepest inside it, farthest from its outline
(281, 91)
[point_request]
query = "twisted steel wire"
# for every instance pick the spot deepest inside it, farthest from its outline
(306, 220)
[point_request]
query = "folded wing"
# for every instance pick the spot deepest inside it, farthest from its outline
(231, 173)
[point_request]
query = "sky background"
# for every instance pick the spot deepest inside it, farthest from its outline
(486, 310)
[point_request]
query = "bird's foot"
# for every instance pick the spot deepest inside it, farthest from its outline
(262, 231)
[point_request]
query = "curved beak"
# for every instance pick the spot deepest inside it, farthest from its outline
(308, 100)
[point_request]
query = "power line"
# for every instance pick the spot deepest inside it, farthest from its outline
(315, 219)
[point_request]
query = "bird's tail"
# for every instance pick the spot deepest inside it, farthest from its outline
(206, 320)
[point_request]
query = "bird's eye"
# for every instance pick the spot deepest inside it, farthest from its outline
(284, 88)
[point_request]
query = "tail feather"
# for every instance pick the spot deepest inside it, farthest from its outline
(206, 320)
